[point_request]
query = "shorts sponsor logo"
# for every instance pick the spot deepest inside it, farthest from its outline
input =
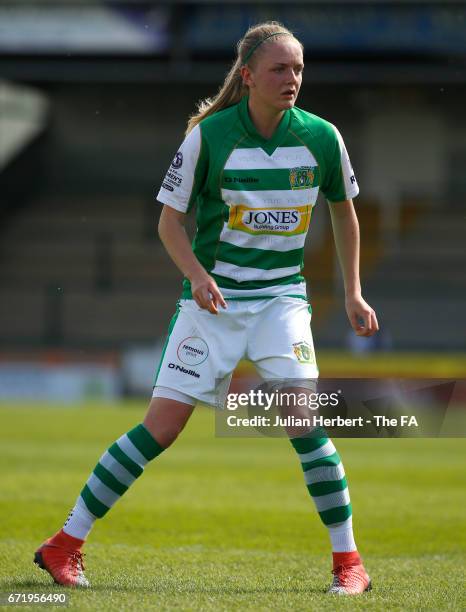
(304, 352)
(178, 368)
(302, 177)
(178, 160)
(276, 221)
(167, 187)
(192, 351)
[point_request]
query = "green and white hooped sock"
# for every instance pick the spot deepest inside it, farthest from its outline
(115, 472)
(326, 482)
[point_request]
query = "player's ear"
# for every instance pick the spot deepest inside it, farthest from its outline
(246, 75)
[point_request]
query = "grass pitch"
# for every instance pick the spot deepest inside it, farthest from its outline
(227, 524)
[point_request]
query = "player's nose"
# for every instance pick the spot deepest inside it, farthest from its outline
(292, 77)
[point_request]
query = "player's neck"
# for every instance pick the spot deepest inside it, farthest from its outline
(265, 119)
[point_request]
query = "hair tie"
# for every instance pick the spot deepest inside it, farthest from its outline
(251, 51)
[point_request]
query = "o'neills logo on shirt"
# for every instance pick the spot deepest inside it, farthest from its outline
(276, 221)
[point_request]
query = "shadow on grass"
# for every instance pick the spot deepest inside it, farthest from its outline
(38, 586)
(206, 590)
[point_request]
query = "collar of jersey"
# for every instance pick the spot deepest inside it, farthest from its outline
(267, 144)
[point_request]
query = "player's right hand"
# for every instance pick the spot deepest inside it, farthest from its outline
(206, 294)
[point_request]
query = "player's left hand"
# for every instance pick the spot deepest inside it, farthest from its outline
(361, 316)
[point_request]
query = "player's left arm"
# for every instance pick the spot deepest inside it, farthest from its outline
(346, 234)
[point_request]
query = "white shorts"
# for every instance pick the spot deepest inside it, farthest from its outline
(203, 349)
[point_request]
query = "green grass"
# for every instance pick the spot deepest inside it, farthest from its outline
(227, 524)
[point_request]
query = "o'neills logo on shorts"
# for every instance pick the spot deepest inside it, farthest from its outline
(174, 366)
(277, 221)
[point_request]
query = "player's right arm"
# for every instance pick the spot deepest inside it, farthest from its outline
(173, 235)
(180, 188)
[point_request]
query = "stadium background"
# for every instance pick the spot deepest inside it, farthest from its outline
(94, 98)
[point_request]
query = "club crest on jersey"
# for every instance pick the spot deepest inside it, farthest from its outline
(273, 221)
(304, 352)
(302, 177)
(177, 160)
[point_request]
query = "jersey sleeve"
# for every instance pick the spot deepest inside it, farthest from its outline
(339, 182)
(185, 177)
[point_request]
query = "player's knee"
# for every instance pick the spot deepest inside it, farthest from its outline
(166, 419)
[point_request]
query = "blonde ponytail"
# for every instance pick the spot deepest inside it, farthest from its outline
(233, 88)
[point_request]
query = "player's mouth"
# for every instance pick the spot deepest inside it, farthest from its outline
(289, 93)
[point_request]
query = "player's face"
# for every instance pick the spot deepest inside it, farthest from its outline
(276, 75)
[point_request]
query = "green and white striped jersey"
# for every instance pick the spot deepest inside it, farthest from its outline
(254, 197)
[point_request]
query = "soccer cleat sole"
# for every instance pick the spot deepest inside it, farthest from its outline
(366, 590)
(39, 561)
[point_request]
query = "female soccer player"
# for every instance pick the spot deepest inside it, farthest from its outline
(253, 164)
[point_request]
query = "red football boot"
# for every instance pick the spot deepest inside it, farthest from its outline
(62, 558)
(349, 575)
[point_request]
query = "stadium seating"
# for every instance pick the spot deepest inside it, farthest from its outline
(84, 271)
(92, 272)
